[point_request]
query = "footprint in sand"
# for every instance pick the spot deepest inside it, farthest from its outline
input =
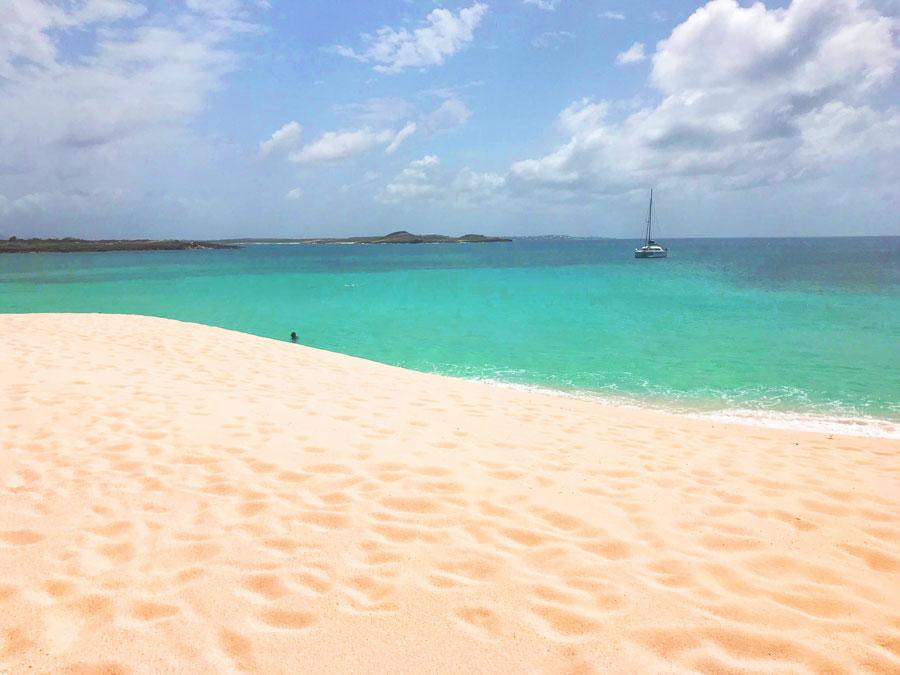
(484, 621)
(269, 586)
(20, 537)
(153, 611)
(564, 621)
(287, 619)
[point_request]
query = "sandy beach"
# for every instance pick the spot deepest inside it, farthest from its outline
(176, 498)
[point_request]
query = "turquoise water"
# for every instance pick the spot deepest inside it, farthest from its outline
(788, 331)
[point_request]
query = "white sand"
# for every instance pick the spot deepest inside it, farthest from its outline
(179, 498)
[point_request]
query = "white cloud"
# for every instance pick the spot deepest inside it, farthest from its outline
(749, 96)
(49, 202)
(24, 38)
(25, 26)
(451, 113)
(443, 35)
(213, 6)
(294, 194)
(423, 179)
(416, 180)
(615, 16)
(107, 10)
(548, 5)
(344, 144)
(218, 7)
(336, 145)
(811, 46)
(69, 123)
(470, 186)
(552, 39)
(634, 54)
(284, 139)
(228, 15)
(153, 75)
(401, 136)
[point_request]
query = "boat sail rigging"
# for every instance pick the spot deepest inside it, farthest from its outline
(650, 249)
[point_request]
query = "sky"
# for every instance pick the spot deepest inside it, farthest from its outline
(295, 118)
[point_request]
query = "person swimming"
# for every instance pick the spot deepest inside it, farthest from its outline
(293, 337)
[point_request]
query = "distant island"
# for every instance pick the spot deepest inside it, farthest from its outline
(401, 237)
(72, 245)
(555, 237)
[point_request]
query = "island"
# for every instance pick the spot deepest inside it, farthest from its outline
(72, 245)
(400, 237)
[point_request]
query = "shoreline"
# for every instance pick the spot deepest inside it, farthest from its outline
(185, 498)
(862, 426)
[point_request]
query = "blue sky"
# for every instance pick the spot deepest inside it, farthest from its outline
(221, 118)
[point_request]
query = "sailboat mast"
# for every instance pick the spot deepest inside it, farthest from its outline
(650, 217)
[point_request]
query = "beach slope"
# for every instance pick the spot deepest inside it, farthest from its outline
(181, 498)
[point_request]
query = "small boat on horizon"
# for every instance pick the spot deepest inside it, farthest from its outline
(650, 249)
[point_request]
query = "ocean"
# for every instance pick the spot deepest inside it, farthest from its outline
(783, 332)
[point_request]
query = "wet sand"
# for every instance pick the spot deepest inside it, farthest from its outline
(181, 498)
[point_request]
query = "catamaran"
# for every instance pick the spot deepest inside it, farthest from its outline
(650, 249)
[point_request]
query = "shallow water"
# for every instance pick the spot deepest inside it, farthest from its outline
(789, 331)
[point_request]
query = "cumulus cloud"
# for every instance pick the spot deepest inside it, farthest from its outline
(810, 46)
(423, 179)
(634, 54)
(443, 34)
(416, 180)
(471, 186)
(286, 138)
(748, 96)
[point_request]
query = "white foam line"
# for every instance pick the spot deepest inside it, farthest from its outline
(868, 427)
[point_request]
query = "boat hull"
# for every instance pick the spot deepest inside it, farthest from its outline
(650, 254)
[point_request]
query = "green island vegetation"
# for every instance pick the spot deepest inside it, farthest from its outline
(73, 245)
(400, 237)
